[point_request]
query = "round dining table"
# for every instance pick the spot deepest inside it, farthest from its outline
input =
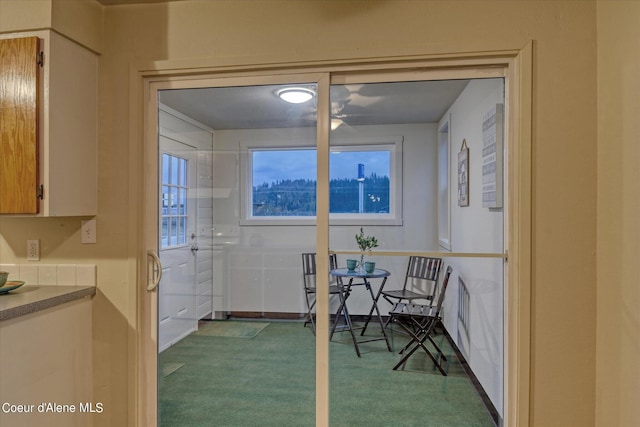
(353, 276)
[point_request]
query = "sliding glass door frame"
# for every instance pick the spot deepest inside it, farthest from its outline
(515, 66)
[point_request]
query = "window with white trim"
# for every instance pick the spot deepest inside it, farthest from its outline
(364, 188)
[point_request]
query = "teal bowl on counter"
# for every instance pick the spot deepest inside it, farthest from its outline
(7, 286)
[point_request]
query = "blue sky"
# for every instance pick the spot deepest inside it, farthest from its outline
(269, 166)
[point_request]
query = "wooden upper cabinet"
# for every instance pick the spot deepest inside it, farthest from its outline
(19, 83)
(49, 125)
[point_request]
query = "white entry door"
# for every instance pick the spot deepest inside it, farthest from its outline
(177, 290)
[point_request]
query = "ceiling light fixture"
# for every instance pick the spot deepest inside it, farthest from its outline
(295, 95)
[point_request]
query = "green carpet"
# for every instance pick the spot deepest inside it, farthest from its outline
(230, 328)
(270, 381)
(170, 368)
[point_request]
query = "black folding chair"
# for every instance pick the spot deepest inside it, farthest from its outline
(420, 283)
(335, 288)
(419, 321)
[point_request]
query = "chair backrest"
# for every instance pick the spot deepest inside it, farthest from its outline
(309, 268)
(443, 289)
(424, 269)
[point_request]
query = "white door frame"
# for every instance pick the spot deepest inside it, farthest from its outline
(514, 65)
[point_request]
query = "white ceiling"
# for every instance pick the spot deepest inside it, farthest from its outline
(257, 107)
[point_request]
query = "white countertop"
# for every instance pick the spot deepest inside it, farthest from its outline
(32, 298)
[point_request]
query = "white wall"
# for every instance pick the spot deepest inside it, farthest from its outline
(265, 265)
(476, 229)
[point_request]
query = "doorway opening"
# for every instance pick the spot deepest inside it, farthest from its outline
(268, 260)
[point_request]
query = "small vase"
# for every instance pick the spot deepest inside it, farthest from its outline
(361, 265)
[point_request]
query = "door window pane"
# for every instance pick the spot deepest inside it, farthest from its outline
(174, 200)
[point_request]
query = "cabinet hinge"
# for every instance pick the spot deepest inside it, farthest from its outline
(40, 59)
(40, 192)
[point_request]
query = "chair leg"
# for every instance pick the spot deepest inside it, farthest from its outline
(310, 318)
(413, 329)
(347, 318)
(411, 332)
(435, 361)
(412, 345)
(419, 336)
(440, 352)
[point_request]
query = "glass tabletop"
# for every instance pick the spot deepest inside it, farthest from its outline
(345, 272)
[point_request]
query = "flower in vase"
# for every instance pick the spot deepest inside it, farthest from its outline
(366, 243)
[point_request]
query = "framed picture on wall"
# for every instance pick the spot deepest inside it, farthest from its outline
(492, 132)
(463, 175)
